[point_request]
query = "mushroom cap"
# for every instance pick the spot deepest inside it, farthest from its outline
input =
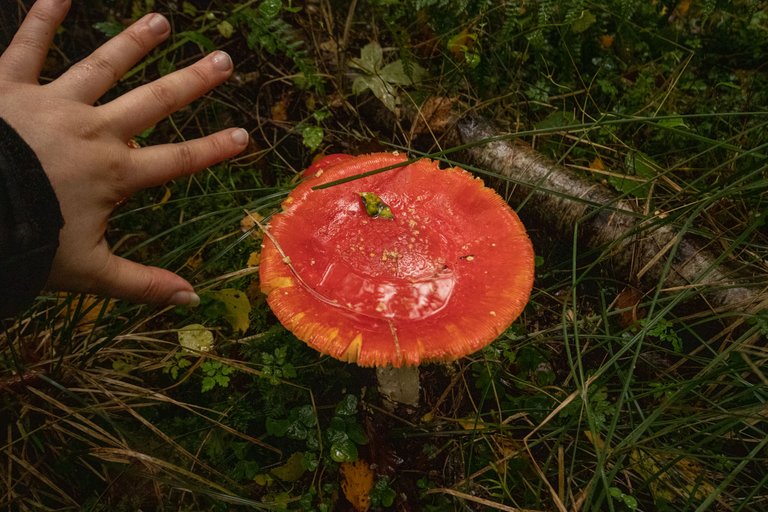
(444, 276)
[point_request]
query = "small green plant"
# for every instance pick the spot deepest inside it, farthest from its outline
(383, 80)
(176, 364)
(267, 30)
(664, 331)
(215, 373)
(299, 425)
(382, 495)
(277, 366)
(344, 433)
(760, 319)
(629, 502)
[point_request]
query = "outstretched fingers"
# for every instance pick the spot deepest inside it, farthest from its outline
(156, 165)
(148, 104)
(90, 78)
(23, 60)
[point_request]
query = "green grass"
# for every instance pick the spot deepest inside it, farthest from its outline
(575, 407)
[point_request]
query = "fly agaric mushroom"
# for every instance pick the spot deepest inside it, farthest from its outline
(411, 265)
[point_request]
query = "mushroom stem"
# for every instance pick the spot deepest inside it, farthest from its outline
(399, 385)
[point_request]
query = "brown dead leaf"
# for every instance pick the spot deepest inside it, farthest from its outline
(250, 222)
(279, 110)
(682, 8)
(357, 482)
(597, 164)
(195, 261)
(435, 115)
(605, 41)
(627, 302)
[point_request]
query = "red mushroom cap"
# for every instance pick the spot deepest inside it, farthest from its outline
(440, 278)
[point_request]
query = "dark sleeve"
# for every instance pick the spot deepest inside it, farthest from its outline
(30, 220)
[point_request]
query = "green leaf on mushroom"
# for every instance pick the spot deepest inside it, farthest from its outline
(375, 207)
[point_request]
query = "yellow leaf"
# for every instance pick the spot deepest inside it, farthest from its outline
(86, 310)
(237, 308)
(292, 470)
(254, 259)
(462, 42)
(597, 164)
(357, 482)
(262, 479)
(471, 423)
(605, 41)
(672, 477)
(595, 439)
(225, 29)
(682, 7)
(164, 199)
(196, 338)
(250, 222)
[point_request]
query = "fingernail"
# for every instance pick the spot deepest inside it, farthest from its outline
(240, 137)
(158, 24)
(190, 299)
(221, 61)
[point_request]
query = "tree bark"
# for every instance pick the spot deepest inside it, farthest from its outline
(638, 245)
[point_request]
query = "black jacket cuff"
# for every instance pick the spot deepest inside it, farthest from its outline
(30, 221)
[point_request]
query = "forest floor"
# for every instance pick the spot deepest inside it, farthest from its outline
(618, 388)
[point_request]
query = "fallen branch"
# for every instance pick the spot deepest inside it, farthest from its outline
(637, 244)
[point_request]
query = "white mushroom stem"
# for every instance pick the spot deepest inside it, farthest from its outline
(399, 385)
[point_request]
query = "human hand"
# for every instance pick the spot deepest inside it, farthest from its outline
(84, 148)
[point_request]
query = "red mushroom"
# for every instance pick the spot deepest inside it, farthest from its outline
(406, 266)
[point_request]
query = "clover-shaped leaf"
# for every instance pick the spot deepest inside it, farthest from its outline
(382, 79)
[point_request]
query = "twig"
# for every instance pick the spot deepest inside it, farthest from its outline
(480, 501)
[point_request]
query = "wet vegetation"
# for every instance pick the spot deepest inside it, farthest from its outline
(608, 393)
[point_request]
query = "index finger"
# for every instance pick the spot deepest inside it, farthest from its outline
(23, 60)
(90, 78)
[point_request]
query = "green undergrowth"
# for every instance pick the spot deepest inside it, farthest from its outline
(609, 393)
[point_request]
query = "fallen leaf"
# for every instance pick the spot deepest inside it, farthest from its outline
(86, 311)
(195, 261)
(226, 29)
(195, 338)
(627, 303)
(471, 423)
(292, 470)
(586, 20)
(605, 41)
(279, 110)
(237, 308)
(673, 477)
(357, 482)
(682, 8)
(461, 43)
(435, 115)
(166, 197)
(253, 259)
(249, 224)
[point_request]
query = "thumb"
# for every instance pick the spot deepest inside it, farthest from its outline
(143, 284)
